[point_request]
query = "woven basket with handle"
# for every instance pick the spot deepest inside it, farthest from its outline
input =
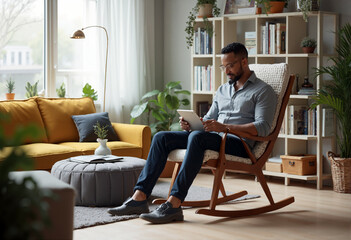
(341, 172)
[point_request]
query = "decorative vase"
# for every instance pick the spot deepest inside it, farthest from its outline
(205, 10)
(10, 96)
(102, 149)
(276, 7)
(308, 49)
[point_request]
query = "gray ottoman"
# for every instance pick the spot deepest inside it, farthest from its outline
(103, 184)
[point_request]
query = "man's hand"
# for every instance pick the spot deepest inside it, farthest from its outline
(184, 124)
(214, 126)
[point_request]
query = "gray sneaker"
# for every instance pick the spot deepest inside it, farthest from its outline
(130, 207)
(165, 213)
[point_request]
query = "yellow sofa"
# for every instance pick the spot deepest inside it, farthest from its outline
(61, 138)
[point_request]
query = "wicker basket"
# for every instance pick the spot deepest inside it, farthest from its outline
(341, 172)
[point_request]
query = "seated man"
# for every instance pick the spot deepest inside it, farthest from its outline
(245, 104)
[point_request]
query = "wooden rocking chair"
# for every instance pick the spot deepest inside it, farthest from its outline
(277, 76)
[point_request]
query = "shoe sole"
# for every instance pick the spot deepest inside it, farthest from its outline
(127, 213)
(164, 220)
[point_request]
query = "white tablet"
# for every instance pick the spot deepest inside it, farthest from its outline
(192, 118)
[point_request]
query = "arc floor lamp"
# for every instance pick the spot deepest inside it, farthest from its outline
(79, 34)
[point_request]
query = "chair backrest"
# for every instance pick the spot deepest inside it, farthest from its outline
(277, 76)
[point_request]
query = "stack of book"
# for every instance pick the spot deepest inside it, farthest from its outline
(203, 78)
(202, 42)
(302, 121)
(306, 91)
(273, 37)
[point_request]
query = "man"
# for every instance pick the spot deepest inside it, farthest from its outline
(245, 104)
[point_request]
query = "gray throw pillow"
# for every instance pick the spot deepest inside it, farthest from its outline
(85, 127)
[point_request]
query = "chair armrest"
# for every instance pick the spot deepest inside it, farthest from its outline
(252, 137)
(139, 135)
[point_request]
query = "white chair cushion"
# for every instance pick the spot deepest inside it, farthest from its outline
(178, 156)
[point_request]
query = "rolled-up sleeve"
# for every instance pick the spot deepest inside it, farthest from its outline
(265, 110)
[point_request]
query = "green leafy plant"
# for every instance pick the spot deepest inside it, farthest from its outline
(308, 42)
(100, 131)
(162, 106)
(24, 213)
(337, 94)
(61, 91)
(32, 90)
(88, 91)
(190, 24)
(306, 6)
(10, 85)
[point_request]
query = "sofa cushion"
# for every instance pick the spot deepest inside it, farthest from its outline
(44, 154)
(85, 126)
(22, 112)
(118, 148)
(56, 114)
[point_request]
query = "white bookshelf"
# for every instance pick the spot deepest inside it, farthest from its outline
(321, 26)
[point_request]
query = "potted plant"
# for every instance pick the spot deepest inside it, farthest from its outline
(32, 90)
(10, 85)
(305, 6)
(204, 9)
(101, 133)
(269, 6)
(308, 45)
(61, 91)
(162, 106)
(88, 91)
(337, 95)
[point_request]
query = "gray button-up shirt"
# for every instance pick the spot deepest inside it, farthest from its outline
(254, 102)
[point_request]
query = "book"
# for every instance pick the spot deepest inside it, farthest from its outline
(281, 30)
(95, 159)
(247, 10)
(250, 42)
(297, 120)
(327, 122)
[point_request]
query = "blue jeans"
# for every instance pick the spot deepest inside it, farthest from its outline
(196, 143)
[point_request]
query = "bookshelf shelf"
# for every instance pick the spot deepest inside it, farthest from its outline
(320, 26)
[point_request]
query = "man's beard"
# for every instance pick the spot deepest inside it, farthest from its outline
(231, 81)
(237, 77)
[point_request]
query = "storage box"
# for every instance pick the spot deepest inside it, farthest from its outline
(274, 167)
(299, 165)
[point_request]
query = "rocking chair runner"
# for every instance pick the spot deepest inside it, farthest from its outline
(277, 76)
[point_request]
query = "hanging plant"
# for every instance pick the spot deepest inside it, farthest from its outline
(190, 24)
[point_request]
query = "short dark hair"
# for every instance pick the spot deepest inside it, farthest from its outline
(236, 48)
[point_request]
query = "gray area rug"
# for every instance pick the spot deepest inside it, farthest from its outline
(93, 216)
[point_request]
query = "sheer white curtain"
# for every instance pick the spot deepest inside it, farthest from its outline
(131, 60)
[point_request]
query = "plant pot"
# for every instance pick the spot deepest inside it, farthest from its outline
(102, 149)
(341, 173)
(258, 10)
(10, 96)
(276, 7)
(205, 10)
(308, 49)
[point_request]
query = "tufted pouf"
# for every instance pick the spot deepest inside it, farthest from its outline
(103, 184)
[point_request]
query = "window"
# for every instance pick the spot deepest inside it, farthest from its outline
(23, 55)
(23, 28)
(78, 60)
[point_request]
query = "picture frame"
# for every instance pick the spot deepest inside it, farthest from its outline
(202, 108)
(232, 6)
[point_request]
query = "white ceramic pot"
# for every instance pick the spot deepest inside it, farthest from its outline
(102, 149)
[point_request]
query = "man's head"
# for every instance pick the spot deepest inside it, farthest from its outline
(234, 61)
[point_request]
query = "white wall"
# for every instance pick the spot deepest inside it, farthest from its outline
(176, 64)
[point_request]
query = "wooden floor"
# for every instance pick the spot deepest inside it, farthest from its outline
(315, 214)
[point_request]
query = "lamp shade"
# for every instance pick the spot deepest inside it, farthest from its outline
(78, 35)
